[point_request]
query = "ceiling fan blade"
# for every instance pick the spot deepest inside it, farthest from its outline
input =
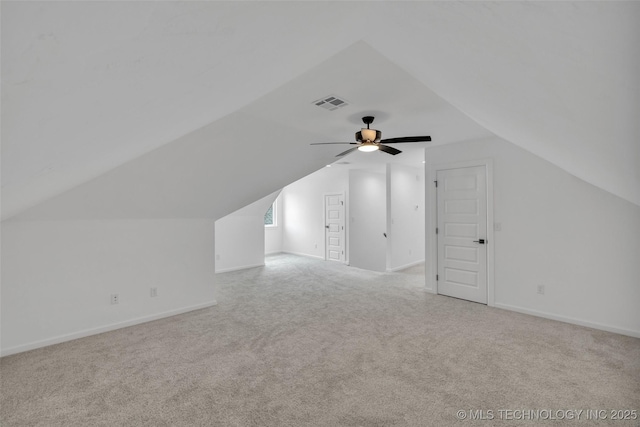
(325, 143)
(347, 152)
(390, 150)
(406, 139)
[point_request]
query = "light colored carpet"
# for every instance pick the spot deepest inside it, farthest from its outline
(418, 270)
(303, 342)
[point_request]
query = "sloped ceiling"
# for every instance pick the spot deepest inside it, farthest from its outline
(87, 87)
(264, 146)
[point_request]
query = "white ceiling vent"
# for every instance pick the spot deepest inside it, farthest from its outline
(331, 102)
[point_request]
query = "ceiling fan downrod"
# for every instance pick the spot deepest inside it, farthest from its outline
(368, 120)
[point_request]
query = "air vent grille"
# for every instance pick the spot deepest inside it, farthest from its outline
(331, 102)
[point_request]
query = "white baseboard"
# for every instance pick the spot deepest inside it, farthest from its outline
(242, 267)
(272, 253)
(566, 319)
(402, 267)
(94, 331)
(303, 254)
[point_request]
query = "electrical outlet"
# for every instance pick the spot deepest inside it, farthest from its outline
(497, 226)
(541, 289)
(217, 257)
(315, 246)
(115, 299)
(154, 292)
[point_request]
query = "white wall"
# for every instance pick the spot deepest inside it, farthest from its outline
(58, 276)
(303, 222)
(580, 242)
(406, 216)
(303, 210)
(367, 220)
(239, 242)
(273, 235)
(240, 236)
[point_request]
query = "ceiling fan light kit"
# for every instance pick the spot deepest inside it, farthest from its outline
(368, 147)
(370, 140)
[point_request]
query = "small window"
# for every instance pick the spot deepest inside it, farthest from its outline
(270, 216)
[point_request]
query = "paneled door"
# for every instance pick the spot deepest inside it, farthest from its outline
(462, 233)
(334, 227)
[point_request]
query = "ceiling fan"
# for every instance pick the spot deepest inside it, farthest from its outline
(369, 140)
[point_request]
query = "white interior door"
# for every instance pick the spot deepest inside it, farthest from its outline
(462, 233)
(334, 227)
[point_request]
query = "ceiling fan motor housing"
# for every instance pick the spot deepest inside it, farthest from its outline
(367, 135)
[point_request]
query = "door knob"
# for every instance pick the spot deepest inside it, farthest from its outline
(481, 241)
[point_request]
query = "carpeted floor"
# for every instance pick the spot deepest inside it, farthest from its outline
(302, 342)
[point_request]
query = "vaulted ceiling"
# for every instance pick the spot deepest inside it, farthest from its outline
(162, 109)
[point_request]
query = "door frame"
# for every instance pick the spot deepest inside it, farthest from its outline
(324, 223)
(431, 284)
